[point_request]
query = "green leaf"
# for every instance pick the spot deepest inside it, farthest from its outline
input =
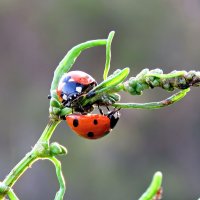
(111, 81)
(65, 111)
(57, 149)
(153, 188)
(108, 54)
(67, 62)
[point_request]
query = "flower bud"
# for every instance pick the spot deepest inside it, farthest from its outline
(156, 71)
(55, 103)
(57, 149)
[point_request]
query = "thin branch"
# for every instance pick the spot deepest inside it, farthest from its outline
(153, 188)
(61, 180)
(149, 79)
(108, 54)
(11, 194)
(154, 105)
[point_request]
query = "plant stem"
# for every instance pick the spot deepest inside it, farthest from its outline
(108, 54)
(67, 62)
(12, 195)
(20, 168)
(48, 131)
(61, 180)
(154, 105)
(33, 155)
(153, 188)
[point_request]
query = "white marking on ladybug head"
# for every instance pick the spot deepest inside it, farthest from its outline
(64, 96)
(79, 89)
(116, 115)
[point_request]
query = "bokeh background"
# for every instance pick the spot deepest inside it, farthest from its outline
(34, 37)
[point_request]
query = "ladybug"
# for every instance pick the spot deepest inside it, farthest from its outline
(72, 85)
(93, 126)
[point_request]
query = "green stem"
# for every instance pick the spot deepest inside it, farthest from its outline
(48, 131)
(20, 168)
(108, 54)
(154, 105)
(32, 156)
(12, 195)
(67, 62)
(153, 188)
(61, 180)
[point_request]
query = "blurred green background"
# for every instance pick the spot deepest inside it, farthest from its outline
(34, 37)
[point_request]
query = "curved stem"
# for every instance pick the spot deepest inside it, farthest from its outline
(154, 105)
(153, 188)
(67, 62)
(36, 153)
(61, 180)
(108, 54)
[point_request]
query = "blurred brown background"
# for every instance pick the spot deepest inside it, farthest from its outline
(34, 37)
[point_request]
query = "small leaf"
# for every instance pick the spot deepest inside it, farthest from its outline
(108, 54)
(153, 188)
(65, 111)
(111, 81)
(55, 103)
(57, 149)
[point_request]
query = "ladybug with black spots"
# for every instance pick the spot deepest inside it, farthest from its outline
(93, 126)
(72, 85)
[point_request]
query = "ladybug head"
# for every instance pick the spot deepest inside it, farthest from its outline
(114, 117)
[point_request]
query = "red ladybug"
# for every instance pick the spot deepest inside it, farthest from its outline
(72, 85)
(93, 126)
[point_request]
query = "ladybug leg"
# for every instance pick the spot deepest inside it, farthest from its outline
(116, 110)
(79, 108)
(107, 108)
(62, 117)
(100, 110)
(72, 109)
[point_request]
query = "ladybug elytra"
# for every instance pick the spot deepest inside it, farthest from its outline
(93, 126)
(72, 85)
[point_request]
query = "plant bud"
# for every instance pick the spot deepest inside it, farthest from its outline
(57, 149)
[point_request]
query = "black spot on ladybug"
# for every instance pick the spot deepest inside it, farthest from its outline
(75, 123)
(95, 122)
(90, 134)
